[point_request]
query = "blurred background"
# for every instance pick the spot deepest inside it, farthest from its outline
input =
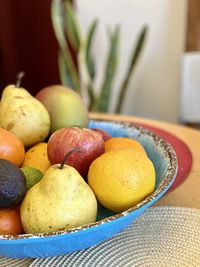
(166, 83)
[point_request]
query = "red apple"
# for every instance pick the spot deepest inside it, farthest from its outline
(105, 135)
(88, 142)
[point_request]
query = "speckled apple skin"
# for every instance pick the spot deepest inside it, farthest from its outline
(89, 144)
(104, 134)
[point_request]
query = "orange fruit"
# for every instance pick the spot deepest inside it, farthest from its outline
(121, 178)
(10, 222)
(122, 143)
(36, 157)
(11, 147)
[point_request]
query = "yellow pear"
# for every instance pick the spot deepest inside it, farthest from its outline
(61, 200)
(23, 115)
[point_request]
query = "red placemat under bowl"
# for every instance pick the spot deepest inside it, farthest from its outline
(183, 152)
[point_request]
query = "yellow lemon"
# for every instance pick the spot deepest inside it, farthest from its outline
(123, 143)
(36, 157)
(121, 178)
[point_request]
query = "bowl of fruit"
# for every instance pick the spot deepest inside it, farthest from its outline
(73, 183)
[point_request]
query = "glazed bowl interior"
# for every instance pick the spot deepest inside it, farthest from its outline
(108, 223)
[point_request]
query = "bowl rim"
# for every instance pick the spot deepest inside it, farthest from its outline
(163, 186)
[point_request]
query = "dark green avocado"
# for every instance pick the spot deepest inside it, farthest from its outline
(12, 184)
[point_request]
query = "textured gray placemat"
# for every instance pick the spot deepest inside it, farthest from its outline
(161, 237)
(5, 262)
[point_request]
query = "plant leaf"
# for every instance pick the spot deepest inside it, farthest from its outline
(57, 17)
(134, 59)
(86, 64)
(65, 74)
(85, 76)
(110, 70)
(88, 54)
(58, 26)
(72, 26)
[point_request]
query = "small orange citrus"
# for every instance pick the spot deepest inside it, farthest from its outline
(122, 178)
(11, 147)
(36, 157)
(123, 142)
(10, 222)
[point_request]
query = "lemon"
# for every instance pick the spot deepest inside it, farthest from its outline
(121, 178)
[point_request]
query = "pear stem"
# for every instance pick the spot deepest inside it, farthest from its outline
(20, 76)
(67, 155)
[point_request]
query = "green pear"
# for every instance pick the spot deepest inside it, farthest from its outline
(60, 200)
(23, 115)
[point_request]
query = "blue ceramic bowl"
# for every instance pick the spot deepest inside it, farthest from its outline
(108, 223)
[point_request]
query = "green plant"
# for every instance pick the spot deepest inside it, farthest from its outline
(76, 62)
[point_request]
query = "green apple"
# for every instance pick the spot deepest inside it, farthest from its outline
(65, 106)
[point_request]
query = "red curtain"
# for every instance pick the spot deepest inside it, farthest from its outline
(27, 43)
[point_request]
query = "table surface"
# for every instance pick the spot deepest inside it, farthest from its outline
(186, 194)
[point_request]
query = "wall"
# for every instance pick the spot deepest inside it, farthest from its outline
(154, 91)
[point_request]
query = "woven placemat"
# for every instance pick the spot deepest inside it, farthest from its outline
(162, 236)
(5, 262)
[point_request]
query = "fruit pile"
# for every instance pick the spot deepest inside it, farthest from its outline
(54, 170)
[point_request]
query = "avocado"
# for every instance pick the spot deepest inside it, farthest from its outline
(12, 184)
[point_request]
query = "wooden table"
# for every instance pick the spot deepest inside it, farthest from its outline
(188, 193)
